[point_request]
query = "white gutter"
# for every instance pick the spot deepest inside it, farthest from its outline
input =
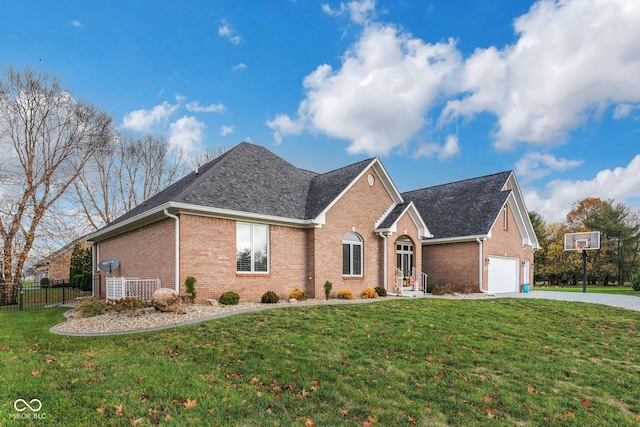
(384, 238)
(94, 262)
(177, 267)
(480, 265)
(435, 241)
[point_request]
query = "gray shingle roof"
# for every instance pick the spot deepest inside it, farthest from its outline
(327, 187)
(249, 178)
(463, 208)
(393, 216)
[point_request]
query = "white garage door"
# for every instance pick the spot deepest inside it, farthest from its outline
(503, 275)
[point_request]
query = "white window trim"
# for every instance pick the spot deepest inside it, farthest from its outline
(351, 245)
(505, 223)
(252, 271)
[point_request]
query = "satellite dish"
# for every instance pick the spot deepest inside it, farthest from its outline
(108, 265)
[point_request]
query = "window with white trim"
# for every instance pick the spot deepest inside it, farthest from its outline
(351, 255)
(505, 217)
(252, 248)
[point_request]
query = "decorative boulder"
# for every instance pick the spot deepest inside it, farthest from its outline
(212, 302)
(166, 299)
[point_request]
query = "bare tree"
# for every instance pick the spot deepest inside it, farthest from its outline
(211, 154)
(46, 138)
(124, 174)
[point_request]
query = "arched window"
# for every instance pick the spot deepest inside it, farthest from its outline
(351, 255)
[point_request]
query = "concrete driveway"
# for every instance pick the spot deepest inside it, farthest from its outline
(622, 301)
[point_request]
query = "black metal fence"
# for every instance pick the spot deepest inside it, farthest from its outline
(19, 297)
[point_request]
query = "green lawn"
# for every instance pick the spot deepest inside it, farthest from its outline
(429, 362)
(618, 290)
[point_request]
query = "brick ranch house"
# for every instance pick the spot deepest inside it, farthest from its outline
(250, 222)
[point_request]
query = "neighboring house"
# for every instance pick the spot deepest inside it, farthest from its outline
(482, 234)
(250, 222)
(56, 265)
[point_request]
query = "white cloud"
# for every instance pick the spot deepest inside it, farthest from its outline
(226, 30)
(239, 67)
(555, 200)
(142, 120)
(283, 125)
(536, 165)
(77, 24)
(227, 130)
(377, 99)
(622, 111)
(360, 12)
(213, 108)
(571, 61)
(450, 148)
(186, 134)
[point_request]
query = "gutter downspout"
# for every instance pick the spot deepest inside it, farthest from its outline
(95, 257)
(480, 265)
(384, 239)
(177, 266)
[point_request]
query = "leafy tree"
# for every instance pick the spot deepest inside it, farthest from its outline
(620, 230)
(80, 265)
(46, 139)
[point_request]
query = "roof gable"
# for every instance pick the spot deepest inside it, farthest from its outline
(390, 221)
(328, 187)
(463, 208)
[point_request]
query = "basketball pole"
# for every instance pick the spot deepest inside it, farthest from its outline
(584, 270)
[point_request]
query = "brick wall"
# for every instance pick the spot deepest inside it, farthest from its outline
(146, 253)
(358, 211)
(507, 243)
(208, 253)
(457, 263)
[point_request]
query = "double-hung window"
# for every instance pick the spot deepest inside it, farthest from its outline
(252, 248)
(351, 255)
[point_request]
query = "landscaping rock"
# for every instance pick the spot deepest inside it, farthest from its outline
(212, 302)
(167, 300)
(293, 300)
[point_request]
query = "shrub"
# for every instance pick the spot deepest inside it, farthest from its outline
(127, 304)
(327, 288)
(270, 297)
(297, 294)
(190, 283)
(381, 291)
(345, 294)
(229, 298)
(90, 307)
(450, 288)
(368, 293)
(635, 282)
(45, 282)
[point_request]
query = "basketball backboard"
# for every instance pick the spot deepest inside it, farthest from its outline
(582, 241)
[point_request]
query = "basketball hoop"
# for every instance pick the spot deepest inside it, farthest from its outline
(583, 241)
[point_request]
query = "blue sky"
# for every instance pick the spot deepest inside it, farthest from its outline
(440, 90)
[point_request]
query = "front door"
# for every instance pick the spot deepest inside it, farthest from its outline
(404, 260)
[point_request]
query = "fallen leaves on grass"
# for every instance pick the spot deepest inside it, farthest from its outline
(189, 404)
(118, 412)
